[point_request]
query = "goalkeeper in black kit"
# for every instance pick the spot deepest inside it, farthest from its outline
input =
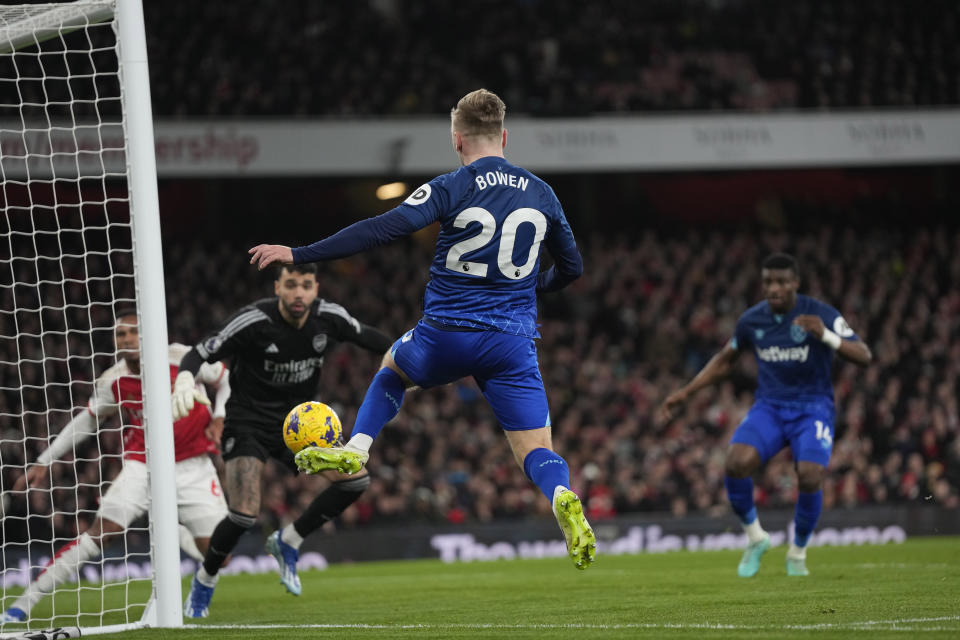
(276, 346)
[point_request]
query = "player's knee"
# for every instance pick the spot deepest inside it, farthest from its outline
(809, 477)
(735, 469)
(739, 466)
(387, 361)
(240, 503)
(202, 544)
(735, 466)
(741, 461)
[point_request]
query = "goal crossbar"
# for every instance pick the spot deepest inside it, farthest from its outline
(39, 23)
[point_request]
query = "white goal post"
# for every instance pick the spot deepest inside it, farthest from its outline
(79, 241)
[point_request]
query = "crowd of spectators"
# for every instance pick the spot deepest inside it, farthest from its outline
(244, 58)
(549, 57)
(649, 311)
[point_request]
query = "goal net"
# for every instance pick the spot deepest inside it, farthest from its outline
(79, 208)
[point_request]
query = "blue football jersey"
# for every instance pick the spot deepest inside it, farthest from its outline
(792, 366)
(494, 218)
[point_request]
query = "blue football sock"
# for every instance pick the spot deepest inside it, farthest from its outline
(806, 515)
(547, 470)
(740, 493)
(381, 404)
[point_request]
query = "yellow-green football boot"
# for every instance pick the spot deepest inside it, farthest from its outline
(581, 543)
(342, 459)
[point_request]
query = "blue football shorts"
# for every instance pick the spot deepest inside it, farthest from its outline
(504, 366)
(806, 427)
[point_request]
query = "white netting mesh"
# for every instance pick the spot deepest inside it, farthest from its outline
(66, 268)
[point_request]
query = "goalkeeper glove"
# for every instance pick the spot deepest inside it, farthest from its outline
(185, 394)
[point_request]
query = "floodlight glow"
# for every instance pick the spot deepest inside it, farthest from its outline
(391, 190)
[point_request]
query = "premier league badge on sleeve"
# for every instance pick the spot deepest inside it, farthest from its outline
(798, 333)
(212, 345)
(419, 196)
(841, 328)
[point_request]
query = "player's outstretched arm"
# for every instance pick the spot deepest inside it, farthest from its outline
(372, 339)
(356, 238)
(853, 350)
(73, 433)
(715, 370)
(216, 376)
(263, 255)
(34, 477)
(185, 393)
(214, 430)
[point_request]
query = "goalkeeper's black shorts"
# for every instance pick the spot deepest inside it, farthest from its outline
(256, 439)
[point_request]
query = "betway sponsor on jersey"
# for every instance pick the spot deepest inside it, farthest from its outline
(784, 354)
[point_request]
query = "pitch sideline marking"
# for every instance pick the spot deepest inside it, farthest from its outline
(901, 565)
(894, 625)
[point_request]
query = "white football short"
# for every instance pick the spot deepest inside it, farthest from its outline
(200, 501)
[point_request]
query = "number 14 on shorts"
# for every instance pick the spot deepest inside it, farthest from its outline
(823, 433)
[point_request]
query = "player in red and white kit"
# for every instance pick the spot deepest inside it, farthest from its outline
(200, 500)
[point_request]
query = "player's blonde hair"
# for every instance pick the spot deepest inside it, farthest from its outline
(479, 113)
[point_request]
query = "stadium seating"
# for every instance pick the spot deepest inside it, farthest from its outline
(649, 311)
(557, 58)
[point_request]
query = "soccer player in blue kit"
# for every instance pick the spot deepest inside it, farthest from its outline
(480, 305)
(793, 338)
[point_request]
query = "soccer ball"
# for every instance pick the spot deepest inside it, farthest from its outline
(311, 424)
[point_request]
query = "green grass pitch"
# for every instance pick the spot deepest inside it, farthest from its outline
(891, 591)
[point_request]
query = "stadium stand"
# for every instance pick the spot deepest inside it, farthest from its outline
(550, 58)
(556, 58)
(651, 308)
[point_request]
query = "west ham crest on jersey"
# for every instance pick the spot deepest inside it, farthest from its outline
(320, 342)
(798, 333)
